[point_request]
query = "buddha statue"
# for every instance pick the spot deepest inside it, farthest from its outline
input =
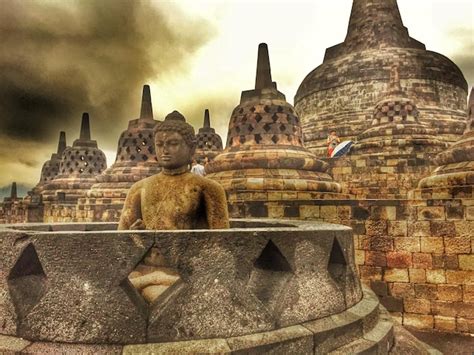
(175, 198)
(171, 199)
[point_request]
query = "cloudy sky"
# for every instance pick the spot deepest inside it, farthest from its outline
(59, 58)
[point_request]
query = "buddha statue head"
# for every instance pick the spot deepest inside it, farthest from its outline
(175, 143)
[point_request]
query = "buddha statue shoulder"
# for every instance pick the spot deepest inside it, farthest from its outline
(175, 198)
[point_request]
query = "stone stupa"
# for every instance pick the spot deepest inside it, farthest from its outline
(397, 148)
(265, 158)
(341, 92)
(208, 142)
(80, 164)
(454, 176)
(135, 161)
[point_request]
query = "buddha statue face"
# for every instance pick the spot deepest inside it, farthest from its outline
(172, 151)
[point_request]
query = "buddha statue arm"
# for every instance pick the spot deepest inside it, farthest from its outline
(216, 206)
(131, 212)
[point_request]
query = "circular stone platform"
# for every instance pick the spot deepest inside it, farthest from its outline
(259, 285)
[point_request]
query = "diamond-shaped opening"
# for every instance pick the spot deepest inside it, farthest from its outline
(27, 281)
(267, 127)
(275, 139)
(270, 274)
(150, 279)
(337, 265)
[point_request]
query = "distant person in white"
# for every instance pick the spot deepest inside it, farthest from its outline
(198, 168)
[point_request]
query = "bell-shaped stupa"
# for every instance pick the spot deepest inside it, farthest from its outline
(208, 142)
(135, 161)
(265, 152)
(454, 176)
(396, 149)
(341, 93)
(80, 164)
(50, 167)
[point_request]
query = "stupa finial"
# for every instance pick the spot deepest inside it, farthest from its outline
(264, 75)
(13, 192)
(85, 128)
(62, 142)
(146, 109)
(207, 119)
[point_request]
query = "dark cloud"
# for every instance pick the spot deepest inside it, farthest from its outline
(59, 59)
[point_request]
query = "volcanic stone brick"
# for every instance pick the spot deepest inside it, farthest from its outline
(431, 245)
(375, 258)
(396, 275)
(450, 293)
(445, 324)
(464, 325)
(437, 276)
(399, 259)
(468, 293)
(402, 290)
(426, 291)
(417, 275)
(457, 245)
(466, 262)
(339, 94)
(417, 305)
(419, 321)
(379, 287)
(459, 277)
(393, 304)
(422, 260)
(410, 244)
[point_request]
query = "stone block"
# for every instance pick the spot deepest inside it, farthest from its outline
(450, 293)
(417, 305)
(431, 245)
(466, 262)
(468, 293)
(397, 228)
(376, 228)
(426, 291)
(411, 244)
(399, 259)
(396, 275)
(375, 258)
(445, 261)
(459, 277)
(208, 346)
(417, 275)
(453, 309)
(431, 213)
(309, 212)
(443, 229)
(419, 229)
(437, 276)
(289, 340)
(402, 289)
(328, 213)
(422, 261)
(418, 321)
(457, 245)
(445, 324)
(465, 325)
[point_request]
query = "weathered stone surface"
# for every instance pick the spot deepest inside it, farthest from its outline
(73, 349)
(290, 340)
(11, 245)
(9, 344)
(207, 346)
(95, 304)
(339, 94)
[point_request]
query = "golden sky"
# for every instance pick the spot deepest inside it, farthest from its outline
(60, 58)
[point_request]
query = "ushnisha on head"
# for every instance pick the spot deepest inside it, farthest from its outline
(175, 143)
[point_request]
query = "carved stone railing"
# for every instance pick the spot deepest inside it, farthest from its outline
(69, 282)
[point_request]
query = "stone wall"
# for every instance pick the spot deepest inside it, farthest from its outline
(416, 255)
